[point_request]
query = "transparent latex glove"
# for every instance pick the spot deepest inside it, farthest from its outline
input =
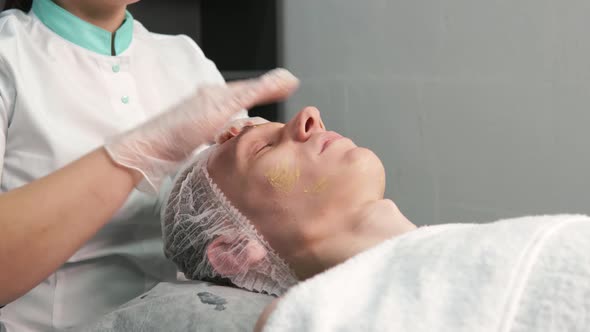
(233, 128)
(156, 148)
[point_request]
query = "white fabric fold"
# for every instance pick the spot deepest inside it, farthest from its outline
(525, 274)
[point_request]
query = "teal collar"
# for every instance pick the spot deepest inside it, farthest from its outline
(82, 33)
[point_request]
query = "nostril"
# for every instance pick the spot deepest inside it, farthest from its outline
(308, 124)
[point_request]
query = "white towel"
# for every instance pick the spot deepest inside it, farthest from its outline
(525, 274)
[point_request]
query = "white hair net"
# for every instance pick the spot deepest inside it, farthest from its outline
(195, 213)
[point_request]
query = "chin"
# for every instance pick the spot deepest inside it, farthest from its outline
(367, 170)
(364, 160)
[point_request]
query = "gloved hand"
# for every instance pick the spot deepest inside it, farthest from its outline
(233, 128)
(156, 148)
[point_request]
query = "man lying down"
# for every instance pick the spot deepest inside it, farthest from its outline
(298, 211)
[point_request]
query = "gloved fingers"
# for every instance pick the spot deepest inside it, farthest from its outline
(276, 85)
(233, 128)
(158, 146)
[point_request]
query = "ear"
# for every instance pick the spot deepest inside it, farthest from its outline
(230, 256)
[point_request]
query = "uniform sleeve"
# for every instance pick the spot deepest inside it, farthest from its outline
(7, 96)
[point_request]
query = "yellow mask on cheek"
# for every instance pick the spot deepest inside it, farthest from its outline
(317, 187)
(283, 177)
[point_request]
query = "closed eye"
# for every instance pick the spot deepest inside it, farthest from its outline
(254, 140)
(262, 147)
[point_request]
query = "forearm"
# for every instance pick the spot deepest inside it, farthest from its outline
(263, 318)
(45, 222)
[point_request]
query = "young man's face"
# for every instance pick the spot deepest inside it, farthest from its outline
(287, 177)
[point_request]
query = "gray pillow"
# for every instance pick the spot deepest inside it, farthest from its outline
(186, 306)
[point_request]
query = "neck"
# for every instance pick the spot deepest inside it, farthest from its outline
(371, 224)
(108, 18)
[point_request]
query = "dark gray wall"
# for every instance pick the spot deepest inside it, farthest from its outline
(240, 37)
(479, 109)
(171, 17)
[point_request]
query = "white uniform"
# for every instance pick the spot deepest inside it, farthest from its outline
(61, 95)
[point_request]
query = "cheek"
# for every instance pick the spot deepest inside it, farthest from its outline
(272, 193)
(357, 176)
(319, 185)
(262, 196)
(282, 188)
(266, 210)
(283, 179)
(282, 176)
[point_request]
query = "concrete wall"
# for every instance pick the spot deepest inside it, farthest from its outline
(478, 109)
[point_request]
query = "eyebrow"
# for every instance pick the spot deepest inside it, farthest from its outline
(246, 131)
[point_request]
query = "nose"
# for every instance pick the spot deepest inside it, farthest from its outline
(305, 123)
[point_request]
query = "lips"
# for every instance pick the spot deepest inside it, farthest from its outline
(328, 138)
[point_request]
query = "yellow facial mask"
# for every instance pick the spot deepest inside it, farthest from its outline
(283, 177)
